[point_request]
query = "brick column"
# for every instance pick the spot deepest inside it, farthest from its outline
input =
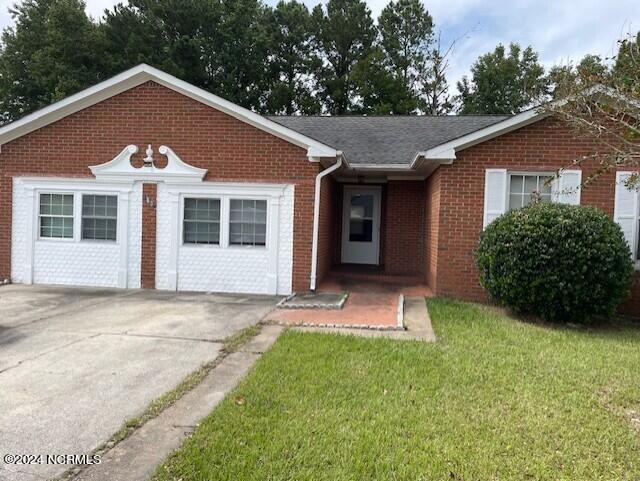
(148, 261)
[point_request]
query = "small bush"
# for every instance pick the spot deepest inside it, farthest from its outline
(556, 261)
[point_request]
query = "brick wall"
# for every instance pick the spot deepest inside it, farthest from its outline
(151, 114)
(432, 229)
(148, 256)
(543, 146)
(327, 232)
(403, 247)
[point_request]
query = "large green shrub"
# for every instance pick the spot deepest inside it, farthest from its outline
(559, 262)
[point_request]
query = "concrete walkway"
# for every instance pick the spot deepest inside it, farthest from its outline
(136, 458)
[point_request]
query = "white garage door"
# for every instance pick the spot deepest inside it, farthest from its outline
(225, 237)
(76, 232)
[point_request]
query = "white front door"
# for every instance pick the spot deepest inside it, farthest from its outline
(361, 225)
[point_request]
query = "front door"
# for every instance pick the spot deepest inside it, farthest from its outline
(361, 225)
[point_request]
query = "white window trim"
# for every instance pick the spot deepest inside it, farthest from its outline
(99, 241)
(531, 173)
(39, 216)
(225, 222)
(193, 245)
(33, 186)
(228, 224)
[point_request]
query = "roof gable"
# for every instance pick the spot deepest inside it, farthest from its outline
(137, 76)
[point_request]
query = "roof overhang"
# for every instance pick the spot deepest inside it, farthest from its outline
(446, 152)
(143, 73)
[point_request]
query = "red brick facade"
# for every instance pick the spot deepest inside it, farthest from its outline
(403, 247)
(148, 261)
(229, 149)
(429, 228)
(458, 189)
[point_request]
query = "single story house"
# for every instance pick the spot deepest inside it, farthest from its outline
(147, 181)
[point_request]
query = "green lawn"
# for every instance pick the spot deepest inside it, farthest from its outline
(493, 399)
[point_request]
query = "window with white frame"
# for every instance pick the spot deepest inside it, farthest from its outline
(99, 217)
(524, 188)
(248, 222)
(56, 216)
(201, 221)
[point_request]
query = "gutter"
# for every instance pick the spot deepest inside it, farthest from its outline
(316, 218)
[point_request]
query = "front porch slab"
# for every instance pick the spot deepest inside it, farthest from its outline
(372, 304)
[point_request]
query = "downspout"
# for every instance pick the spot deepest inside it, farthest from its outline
(316, 219)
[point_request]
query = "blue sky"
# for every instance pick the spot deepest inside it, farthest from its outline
(560, 30)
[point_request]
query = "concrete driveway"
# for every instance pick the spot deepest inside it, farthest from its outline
(76, 363)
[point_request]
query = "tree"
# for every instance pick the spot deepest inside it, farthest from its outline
(219, 45)
(503, 83)
(343, 36)
(292, 60)
(627, 65)
(605, 111)
(51, 52)
(406, 37)
(435, 87)
(167, 34)
(236, 52)
(379, 90)
(562, 78)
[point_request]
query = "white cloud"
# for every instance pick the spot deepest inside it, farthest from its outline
(559, 30)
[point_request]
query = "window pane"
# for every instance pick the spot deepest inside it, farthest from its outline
(360, 230)
(516, 184)
(56, 215)
(99, 217)
(545, 184)
(515, 201)
(530, 183)
(525, 188)
(362, 206)
(201, 221)
(248, 222)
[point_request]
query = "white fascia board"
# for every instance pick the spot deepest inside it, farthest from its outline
(144, 73)
(381, 167)
(447, 151)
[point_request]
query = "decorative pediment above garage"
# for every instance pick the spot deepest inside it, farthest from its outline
(175, 172)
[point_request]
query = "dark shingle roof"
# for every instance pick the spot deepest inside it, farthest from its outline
(391, 139)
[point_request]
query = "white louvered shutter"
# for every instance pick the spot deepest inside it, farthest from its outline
(626, 210)
(495, 194)
(567, 187)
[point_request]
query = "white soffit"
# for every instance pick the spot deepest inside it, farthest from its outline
(143, 73)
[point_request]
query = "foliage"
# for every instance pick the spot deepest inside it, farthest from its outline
(406, 38)
(556, 261)
(344, 34)
(281, 59)
(626, 70)
(435, 87)
(292, 61)
(51, 52)
(492, 399)
(503, 83)
(589, 71)
(602, 106)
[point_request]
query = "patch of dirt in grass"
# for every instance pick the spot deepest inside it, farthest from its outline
(629, 415)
